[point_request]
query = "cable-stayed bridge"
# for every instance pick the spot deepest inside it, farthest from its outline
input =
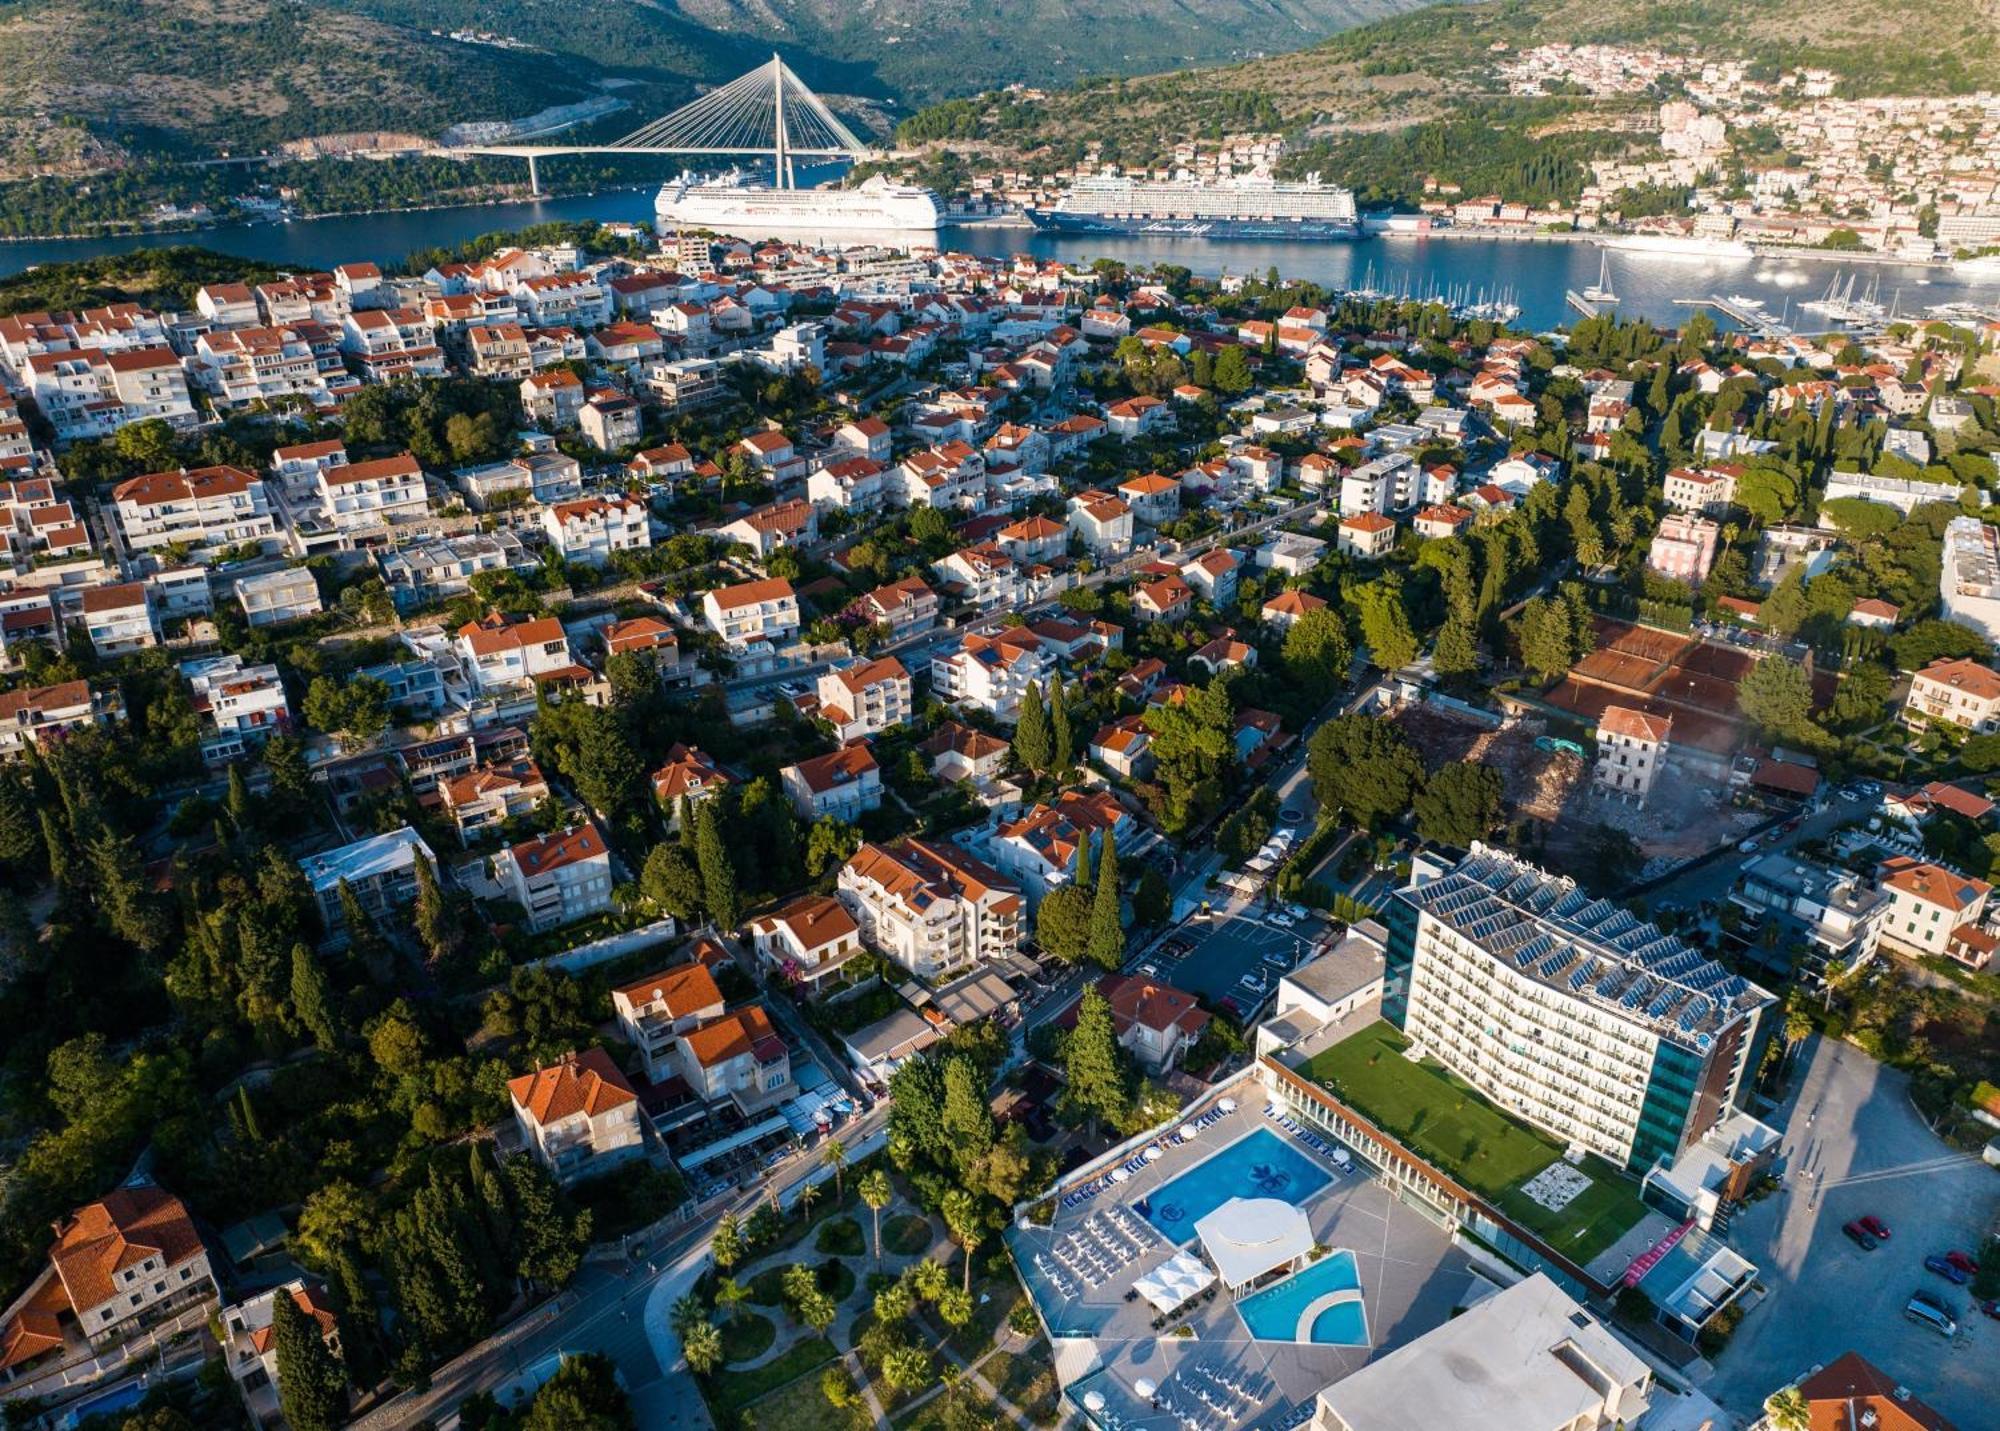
(768, 112)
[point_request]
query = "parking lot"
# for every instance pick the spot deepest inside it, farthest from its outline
(1211, 958)
(1856, 1147)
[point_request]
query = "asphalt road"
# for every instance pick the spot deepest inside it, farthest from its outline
(1854, 1145)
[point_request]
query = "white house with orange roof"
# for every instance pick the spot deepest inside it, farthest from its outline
(1038, 849)
(654, 1013)
(250, 1350)
(1631, 752)
(1957, 692)
(992, 672)
(502, 654)
(1367, 535)
(850, 484)
(737, 1057)
(753, 612)
(865, 437)
(808, 940)
(196, 507)
(1137, 417)
(931, 907)
(774, 526)
(1103, 523)
(590, 530)
(1443, 520)
(862, 698)
(689, 777)
(1124, 747)
(1153, 498)
(1698, 490)
(483, 798)
(559, 878)
(1934, 911)
(579, 1116)
(366, 496)
(907, 607)
(843, 784)
(1288, 608)
(982, 576)
(1164, 598)
(553, 398)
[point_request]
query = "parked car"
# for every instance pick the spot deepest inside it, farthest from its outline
(1991, 1307)
(1283, 920)
(1298, 911)
(1860, 1236)
(1964, 1262)
(1944, 1268)
(1877, 1228)
(1748, 847)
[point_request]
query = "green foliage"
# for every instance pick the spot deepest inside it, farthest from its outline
(1034, 745)
(1363, 767)
(1777, 695)
(1096, 1087)
(1063, 922)
(1106, 943)
(1385, 623)
(1193, 744)
(1929, 641)
(1317, 654)
(312, 1387)
(1459, 804)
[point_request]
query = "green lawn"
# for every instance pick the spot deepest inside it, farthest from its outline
(803, 1407)
(841, 1236)
(906, 1234)
(1443, 1120)
(746, 1335)
(731, 1391)
(1028, 1380)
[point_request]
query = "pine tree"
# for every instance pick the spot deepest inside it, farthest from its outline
(968, 1122)
(312, 1386)
(1455, 654)
(1032, 742)
(312, 1001)
(1061, 738)
(718, 874)
(1107, 925)
(1094, 1087)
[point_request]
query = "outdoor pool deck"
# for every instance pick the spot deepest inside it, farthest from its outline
(1410, 1277)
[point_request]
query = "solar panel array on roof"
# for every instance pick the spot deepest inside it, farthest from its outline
(1590, 947)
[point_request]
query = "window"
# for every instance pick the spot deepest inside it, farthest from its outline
(135, 1299)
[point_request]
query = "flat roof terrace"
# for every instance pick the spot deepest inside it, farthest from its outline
(1146, 1373)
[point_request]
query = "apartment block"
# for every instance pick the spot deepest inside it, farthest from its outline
(655, 1012)
(591, 530)
(864, 698)
(1569, 1011)
(559, 878)
(202, 507)
(753, 611)
(932, 908)
(241, 706)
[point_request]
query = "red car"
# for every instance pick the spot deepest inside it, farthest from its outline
(1876, 1227)
(1963, 1262)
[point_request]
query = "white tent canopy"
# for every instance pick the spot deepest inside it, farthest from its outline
(1249, 1236)
(1174, 1281)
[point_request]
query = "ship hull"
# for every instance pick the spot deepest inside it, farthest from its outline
(749, 212)
(1056, 221)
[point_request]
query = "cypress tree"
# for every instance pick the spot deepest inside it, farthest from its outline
(432, 914)
(1094, 1086)
(312, 1387)
(718, 875)
(312, 1001)
(1107, 926)
(237, 802)
(1032, 745)
(1061, 738)
(246, 1115)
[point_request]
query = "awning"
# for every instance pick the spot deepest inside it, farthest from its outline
(1174, 1281)
(1249, 1236)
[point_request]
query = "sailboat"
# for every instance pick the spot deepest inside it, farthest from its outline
(1602, 291)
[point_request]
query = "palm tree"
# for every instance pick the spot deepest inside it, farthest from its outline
(1788, 1410)
(876, 1192)
(701, 1344)
(961, 1215)
(808, 1194)
(730, 1295)
(834, 1155)
(688, 1312)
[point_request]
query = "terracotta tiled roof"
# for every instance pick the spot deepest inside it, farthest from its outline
(123, 1229)
(587, 1083)
(736, 1033)
(682, 990)
(1933, 884)
(1634, 725)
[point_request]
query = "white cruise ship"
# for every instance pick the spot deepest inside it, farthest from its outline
(1678, 246)
(735, 205)
(1247, 206)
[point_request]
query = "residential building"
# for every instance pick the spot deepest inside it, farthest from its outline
(1934, 911)
(579, 1116)
(1683, 547)
(863, 698)
(559, 878)
(688, 778)
(553, 398)
(1164, 598)
(610, 422)
(428, 572)
(381, 870)
(1124, 747)
(1213, 576)
(907, 607)
(1288, 608)
(1039, 850)
(961, 752)
(126, 1262)
(1698, 490)
(93, 392)
(1615, 1037)
(808, 940)
(1155, 1022)
(655, 1012)
(203, 508)
(1326, 990)
(751, 612)
(119, 618)
(774, 527)
(592, 529)
(1957, 692)
(1851, 1393)
(503, 655)
(275, 597)
(992, 672)
(1528, 1358)
(1969, 583)
(250, 1350)
(850, 484)
(1369, 536)
(1154, 499)
(1829, 914)
(481, 799)
(32, 715)
(1102, 522)
(241, 706)
(738, 1057)
(369, 496)
(1631, 752)
(842, 785)
(931, 908)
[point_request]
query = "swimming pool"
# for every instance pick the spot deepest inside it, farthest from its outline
(1322, 1305)
(1259, 1165)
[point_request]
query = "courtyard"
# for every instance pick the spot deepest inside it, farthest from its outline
(1469, 1140)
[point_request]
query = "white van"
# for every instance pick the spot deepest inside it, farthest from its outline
(1927, 1311)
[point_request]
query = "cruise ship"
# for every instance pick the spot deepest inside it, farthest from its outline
(1679, 246)
(1252, 206)
(744, 208)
